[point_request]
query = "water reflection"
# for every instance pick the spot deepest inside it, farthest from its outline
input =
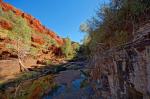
(63, 88)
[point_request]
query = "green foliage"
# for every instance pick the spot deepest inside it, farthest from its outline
(76, 46)
(21, 31)
(9, 15)
(75, 49)
(25, 76)
(48, 62)
(114, 23)
(67, 48)
(121, 37)
(52, 42)
(70, 49)
(49, 40)
(33, 51)
(3, 33)
(28, 75)
(28, 89)
(10, 46)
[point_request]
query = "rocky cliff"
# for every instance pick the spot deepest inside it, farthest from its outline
(16, 24)
(33, 22)
(123, 72)
(23, 36)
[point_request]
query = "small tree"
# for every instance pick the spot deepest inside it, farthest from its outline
(21, 34)
(23, 40)
(67, 47)
(21, 50)
(21, 53)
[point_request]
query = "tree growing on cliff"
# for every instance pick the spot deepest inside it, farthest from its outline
(119, 18)
(20, 35)
(23, 40)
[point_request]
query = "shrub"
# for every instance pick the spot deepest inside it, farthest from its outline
(49, 40)
(67, 48)
(115, 23)
(48, 62)
(75, 49)
(33, 51)
(22, 30)
(10, 46)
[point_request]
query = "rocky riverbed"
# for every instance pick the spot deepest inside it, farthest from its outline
(68, 80)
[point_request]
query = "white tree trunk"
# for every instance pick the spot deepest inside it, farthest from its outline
(22, 65)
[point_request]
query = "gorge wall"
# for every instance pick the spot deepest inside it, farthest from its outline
(42, 38)
(123, 72)
(33, 22)
(19, 29)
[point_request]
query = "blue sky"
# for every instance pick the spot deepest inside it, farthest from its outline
(62, 16)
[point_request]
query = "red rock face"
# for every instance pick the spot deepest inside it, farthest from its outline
(57, 38)
(37, 39)
(33, 22)
(60, 41)
(56, 50)
(6, 25)
(2, 46)
(7, 7)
